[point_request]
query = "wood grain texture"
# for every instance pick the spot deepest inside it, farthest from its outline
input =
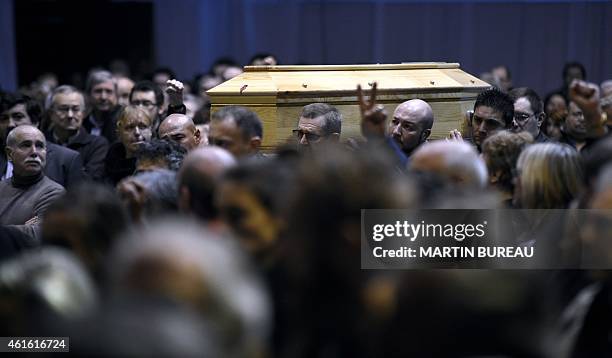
(278, 93)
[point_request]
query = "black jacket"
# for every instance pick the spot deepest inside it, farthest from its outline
(93, 151)
(117, 166)
(109, 124)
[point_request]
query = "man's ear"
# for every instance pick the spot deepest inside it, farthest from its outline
(198, 136)
(9, 152)
(425, 134)
(541, 117)
(255, 143)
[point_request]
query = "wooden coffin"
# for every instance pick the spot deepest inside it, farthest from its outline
(278, 93)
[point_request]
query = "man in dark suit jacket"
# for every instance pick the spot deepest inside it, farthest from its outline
(65, 108)
(64, 165)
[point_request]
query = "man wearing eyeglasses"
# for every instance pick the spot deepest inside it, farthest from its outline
(318, 123)
(66, 108)
(493, 112)
(64, 165)
(150, 97)
(528, 113)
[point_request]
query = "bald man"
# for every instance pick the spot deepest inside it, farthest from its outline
(180, 129)
(409, 128)
(28, 193)
(197, 179)
(456, 161)
(411, 125)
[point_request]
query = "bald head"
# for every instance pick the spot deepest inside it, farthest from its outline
(411, 124)
(198, 177)
(456, 161)
(26, 148)
(180, 129)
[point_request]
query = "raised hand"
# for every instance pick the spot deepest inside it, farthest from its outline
(373, 116)
(586, 96)
(174, 89)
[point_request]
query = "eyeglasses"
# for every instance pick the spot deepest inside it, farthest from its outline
(310, 137)
(65, 109)
(147, 104)
(522, 117)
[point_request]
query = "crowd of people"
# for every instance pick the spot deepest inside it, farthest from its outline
(136, 222)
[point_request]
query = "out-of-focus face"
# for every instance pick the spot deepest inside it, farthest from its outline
(104, 96)
(231, 72)
(204, 130)
(254, 225)
(160, 79)
(524, 118)
(575, 125)
(309, 132)
(227, 135)
(124, 87)
(29, 153)
(67, 111)
(556, 104)
(15, 116)
(146, 100)
(133, 131)
(485, 122)
(573, 73)
(502, 76)
(406, 128)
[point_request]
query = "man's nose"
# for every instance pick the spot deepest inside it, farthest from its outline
(396, 130)
(303, 139)
(11, 124)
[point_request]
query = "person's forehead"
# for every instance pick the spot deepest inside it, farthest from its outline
(28, 134)
(523, 105)
(408, 113)
(225, 126)
(105, 85)
(132, 120)
(487, 112)
(574, 108)
(311, 123)
(18, 108)
(68, 98)
(144, 95)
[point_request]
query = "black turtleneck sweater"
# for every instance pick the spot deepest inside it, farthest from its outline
(23, 198)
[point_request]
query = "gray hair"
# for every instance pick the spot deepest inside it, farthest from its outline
(11, 139)
(241, 306)
(98, 76)
(331, 115)
(63, 89)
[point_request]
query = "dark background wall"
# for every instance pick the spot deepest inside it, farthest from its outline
(533, 38)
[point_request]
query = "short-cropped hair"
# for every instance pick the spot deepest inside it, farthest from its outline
(333, 117)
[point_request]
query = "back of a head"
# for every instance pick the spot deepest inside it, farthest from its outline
(501, 151)
(198, 270)
(162, 151)
(458, 162)
(199, 175)
(87, 220)
(551, 176)
(160, 191)
(331, 115)
(246, 120)
(499, 102)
